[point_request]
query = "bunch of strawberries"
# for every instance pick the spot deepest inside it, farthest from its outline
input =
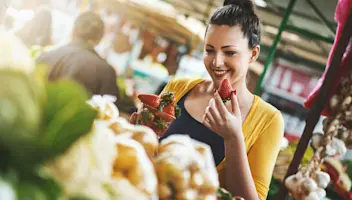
(157, 112)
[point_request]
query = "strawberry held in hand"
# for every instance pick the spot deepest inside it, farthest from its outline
(225, 90)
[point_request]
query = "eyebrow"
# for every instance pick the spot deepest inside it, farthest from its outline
(224, 47)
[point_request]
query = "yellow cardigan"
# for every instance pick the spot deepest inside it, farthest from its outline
(263, 130)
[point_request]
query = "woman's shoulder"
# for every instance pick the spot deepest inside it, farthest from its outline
(180, 86)
(178, 83)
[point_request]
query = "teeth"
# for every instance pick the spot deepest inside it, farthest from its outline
(220, 72)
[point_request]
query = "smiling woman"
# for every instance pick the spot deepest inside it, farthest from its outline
(245, 133)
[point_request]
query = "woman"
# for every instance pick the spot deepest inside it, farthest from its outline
(244, 134)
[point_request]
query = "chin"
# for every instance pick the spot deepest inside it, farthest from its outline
(217, 80)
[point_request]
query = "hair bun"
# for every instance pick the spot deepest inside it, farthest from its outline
(245, 4)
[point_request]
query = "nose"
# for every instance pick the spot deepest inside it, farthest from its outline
(218, 61)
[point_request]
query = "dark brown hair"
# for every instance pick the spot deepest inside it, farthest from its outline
(89, 26)
(239, 12)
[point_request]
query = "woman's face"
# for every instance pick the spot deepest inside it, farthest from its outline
(226, 54)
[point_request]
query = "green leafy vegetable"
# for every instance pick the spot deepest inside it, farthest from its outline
(38, 124)
(66, 116)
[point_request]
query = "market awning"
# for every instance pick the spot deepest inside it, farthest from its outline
(156, 16)
(271, 13)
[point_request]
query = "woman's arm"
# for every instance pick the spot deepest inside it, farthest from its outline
(253, 173)
(263, 154)
(238, 179)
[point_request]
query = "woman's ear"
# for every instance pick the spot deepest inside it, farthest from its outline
(255, 54)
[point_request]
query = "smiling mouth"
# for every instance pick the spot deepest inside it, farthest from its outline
(220, 73)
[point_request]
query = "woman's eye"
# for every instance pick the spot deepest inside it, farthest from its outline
(230, 53)
(209, 51)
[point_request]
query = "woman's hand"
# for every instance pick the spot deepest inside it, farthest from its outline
(224, 122)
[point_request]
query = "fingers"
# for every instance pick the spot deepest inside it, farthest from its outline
(206, 123)
(235, 106)
(210, 118)
(214, 112)
(219, 104)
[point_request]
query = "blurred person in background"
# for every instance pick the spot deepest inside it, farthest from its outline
(38, 30)
(78, 60)
(14, 54)
(3, 8)
(9, 22)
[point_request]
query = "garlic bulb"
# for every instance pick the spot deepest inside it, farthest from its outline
(308, 185)
(316, 140)
(339, 147)
(312, 196)
(322, 179)
(321, 193)
(334, 101)
(293, 182)
(346, 102)
(330, 151)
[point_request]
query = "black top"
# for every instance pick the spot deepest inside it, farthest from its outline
(187, 125)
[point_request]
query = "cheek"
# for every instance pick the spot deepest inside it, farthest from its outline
(239, 64)
(207, 61)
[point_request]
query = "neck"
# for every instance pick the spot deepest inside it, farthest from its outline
(85, 44)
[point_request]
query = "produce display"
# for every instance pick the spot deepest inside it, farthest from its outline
(143, 134)
(310, 182)
(157, 112)
(132, 163)
(58, 143)
(185, 169)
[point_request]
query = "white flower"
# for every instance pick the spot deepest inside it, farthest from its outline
(105, 106)
(86, 167)
(14, 55)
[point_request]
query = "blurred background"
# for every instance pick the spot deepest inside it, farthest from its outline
(148, 42)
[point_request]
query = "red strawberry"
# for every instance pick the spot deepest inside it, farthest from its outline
(225, 90)
(147, 116)
(149, 124)
(169, 109)
(160, 127)
(150, 99)
(133, 118)
(164, 116)
(166, 99)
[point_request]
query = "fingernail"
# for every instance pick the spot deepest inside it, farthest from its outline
(207, 109)
(214, 90)
(234, 92)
